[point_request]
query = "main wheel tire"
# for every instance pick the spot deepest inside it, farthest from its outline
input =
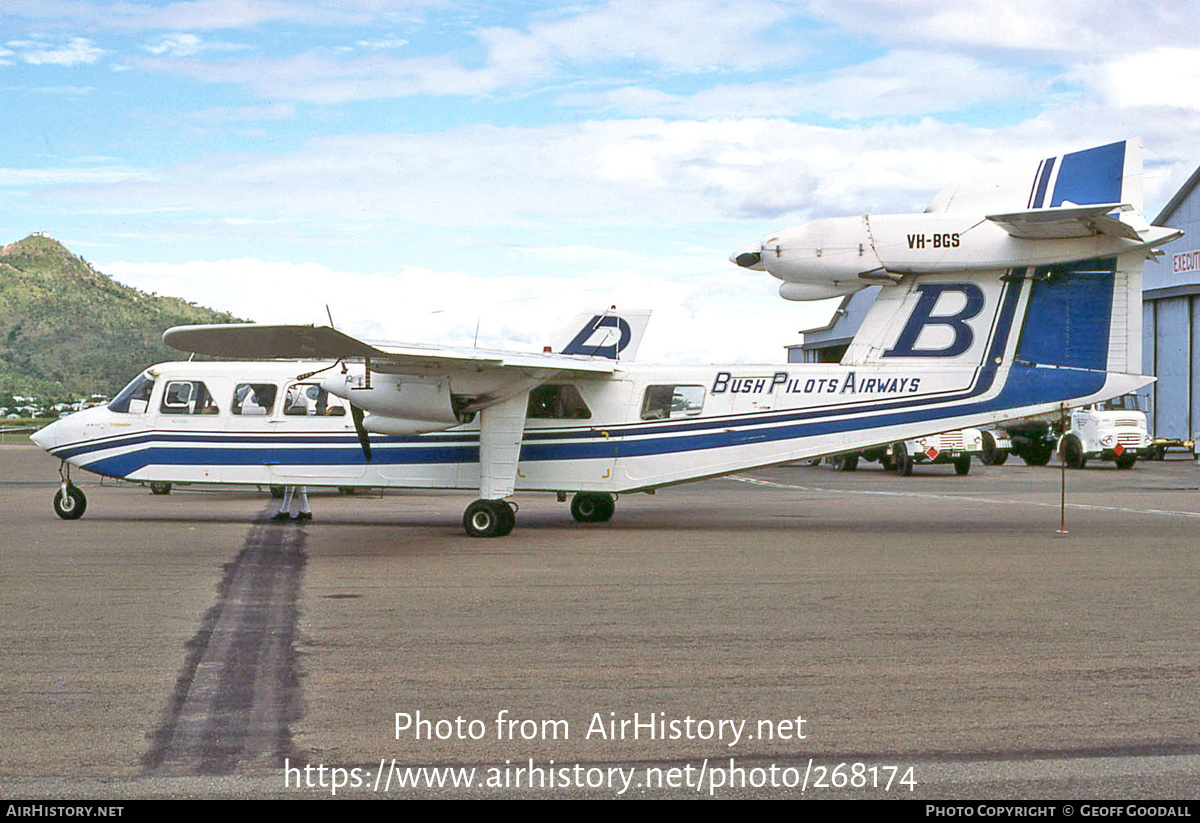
(72, 504)
(962, 465)
(1037, 453)
(590, 507)
(1126, 461)
(160, 488)
(992, 455)
(508, 518)
(902, 459)
(845, 462)
(488, 518)
(277, 492)
(1071, 452)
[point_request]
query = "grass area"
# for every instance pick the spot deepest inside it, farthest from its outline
(18, 429)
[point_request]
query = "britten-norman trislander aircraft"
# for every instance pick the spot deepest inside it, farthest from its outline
(1011, 296)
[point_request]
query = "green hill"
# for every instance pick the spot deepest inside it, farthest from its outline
(66, 330)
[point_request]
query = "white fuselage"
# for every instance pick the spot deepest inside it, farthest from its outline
(642, 427)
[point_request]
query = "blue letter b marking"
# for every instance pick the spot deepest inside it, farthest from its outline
(923, 316)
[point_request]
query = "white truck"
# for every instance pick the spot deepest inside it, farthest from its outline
(956, 447)
(1112, 430)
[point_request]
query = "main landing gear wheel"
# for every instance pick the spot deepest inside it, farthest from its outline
(1071, 452)
(1126, 461)
(1038, 452)
(962, 465)
(70, 502)
(591, 507)
(992, 455)
(844, 462)
(489, 518)
(902, 460)
(160, 488)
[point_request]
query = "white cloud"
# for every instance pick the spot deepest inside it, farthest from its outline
(673, 38)
(683, 36)
(899, 83)
(653, 174)
(387, 42)
(726, 318)
(210, 15)
(1061, 27)
(71, 176)
(76, 51)
(184, 44)
(1158, 77)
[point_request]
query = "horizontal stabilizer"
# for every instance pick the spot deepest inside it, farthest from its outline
(1066, 221)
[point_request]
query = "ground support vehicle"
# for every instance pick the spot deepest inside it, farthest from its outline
(1111, 430)
(955, 447)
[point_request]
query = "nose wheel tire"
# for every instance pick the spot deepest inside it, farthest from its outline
(489, 518)
(69, 502)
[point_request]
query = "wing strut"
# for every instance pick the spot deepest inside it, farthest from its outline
(500, 430)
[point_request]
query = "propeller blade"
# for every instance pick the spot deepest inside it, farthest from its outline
(363, 437)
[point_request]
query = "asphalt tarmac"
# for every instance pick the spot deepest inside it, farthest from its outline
(787, 632)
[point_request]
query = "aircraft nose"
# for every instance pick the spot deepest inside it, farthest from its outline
(748, 256)
(46, 437)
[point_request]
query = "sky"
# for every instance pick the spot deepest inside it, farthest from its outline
(480, 172)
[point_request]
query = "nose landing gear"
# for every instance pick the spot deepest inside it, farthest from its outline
(69, 501)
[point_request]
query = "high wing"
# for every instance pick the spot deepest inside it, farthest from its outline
(254, 341)
(419, 389)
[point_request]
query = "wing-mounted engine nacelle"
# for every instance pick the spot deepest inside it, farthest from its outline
(817, 260)
(396, 404)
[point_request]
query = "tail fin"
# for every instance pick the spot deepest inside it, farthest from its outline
(1079, 315)
(610, 334)
(1101, 175)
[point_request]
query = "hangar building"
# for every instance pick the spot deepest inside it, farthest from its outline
(1171, 320)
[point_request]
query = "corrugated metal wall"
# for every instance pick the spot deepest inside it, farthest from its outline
(1171, 327)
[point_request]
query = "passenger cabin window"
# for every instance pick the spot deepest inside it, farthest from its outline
(664, 402)
(187, 397)
(134, 398)
(309, 399)
(254, 399)
(557, 402)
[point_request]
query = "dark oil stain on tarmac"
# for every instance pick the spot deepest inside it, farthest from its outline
(239, 690)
